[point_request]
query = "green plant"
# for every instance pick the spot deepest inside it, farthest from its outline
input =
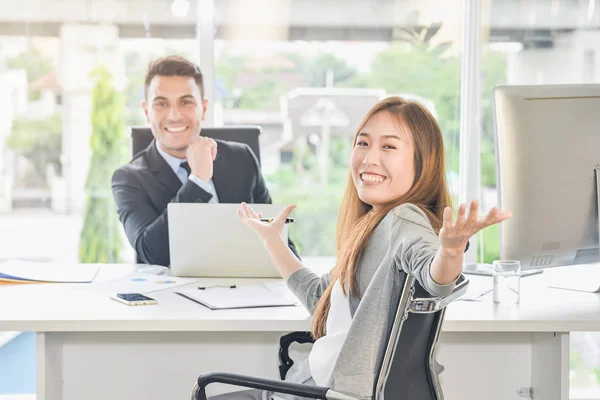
(596, 371)
(35, 65)
(264, 95)
(416, 65)
(38, 140)
(100, 235)
(314, 229)
(493, 73)
(316, 215)
(490, 237)
(315, 69)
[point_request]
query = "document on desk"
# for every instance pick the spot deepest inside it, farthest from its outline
(32, 272)
(471, 295)
(224, 298)
(139, 282)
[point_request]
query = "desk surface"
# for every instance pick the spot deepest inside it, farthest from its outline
(542, 308)
(63, 307)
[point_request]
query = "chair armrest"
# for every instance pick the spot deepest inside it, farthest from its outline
(273, 385)
(285, 362)
(434, 304)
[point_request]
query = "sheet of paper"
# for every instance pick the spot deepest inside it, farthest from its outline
(475, 295)
(113, 272)
(280, 286)
(250, 296)
(138, 283)
(48, 272)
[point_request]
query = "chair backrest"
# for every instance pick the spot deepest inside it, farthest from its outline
(407, 368)
(141, 136)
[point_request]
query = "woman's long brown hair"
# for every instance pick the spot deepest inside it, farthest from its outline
(356, 223)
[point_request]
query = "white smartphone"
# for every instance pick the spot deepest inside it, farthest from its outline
(134, 299)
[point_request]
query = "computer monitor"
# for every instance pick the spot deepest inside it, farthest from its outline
(548, 158)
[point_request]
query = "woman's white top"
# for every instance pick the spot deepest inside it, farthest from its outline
(325, 350)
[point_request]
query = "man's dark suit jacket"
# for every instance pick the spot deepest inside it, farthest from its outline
(143, 188)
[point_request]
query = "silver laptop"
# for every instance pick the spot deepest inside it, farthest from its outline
(208, 240)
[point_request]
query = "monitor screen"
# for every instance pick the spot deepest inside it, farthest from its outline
(547, 148)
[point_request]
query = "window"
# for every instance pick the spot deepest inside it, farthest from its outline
(55, 195)
(309, 77)
(55, 187)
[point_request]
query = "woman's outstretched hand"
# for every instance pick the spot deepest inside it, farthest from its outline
(265, 230)
(454, 236)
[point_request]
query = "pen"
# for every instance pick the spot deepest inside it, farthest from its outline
(287, 220)
(215, 286)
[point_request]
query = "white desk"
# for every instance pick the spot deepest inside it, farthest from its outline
(95, 348)
(497, 349)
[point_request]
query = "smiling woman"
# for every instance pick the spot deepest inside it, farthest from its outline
(383, 163)
(393, 217)
(397, 143)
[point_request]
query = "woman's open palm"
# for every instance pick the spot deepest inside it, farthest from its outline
(454, 236)
(265, 230)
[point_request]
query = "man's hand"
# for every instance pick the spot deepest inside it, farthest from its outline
(200, 155)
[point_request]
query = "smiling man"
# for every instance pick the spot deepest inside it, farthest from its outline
(179, 165)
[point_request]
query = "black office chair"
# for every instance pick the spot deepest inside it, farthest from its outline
(408, 369)
(141, 136)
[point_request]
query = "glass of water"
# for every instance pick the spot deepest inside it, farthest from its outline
(507, 281)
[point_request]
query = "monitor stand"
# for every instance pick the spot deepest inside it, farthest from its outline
(583, 278)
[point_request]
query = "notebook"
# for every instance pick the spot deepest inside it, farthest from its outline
(17, 271)
(224, 298)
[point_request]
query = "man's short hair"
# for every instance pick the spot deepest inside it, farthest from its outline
(174, 66)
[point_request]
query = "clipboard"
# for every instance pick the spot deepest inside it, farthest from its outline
(228, 298)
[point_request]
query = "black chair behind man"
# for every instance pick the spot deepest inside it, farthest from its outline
(141, 137)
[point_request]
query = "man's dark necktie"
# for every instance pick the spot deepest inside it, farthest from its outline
(186, 166)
